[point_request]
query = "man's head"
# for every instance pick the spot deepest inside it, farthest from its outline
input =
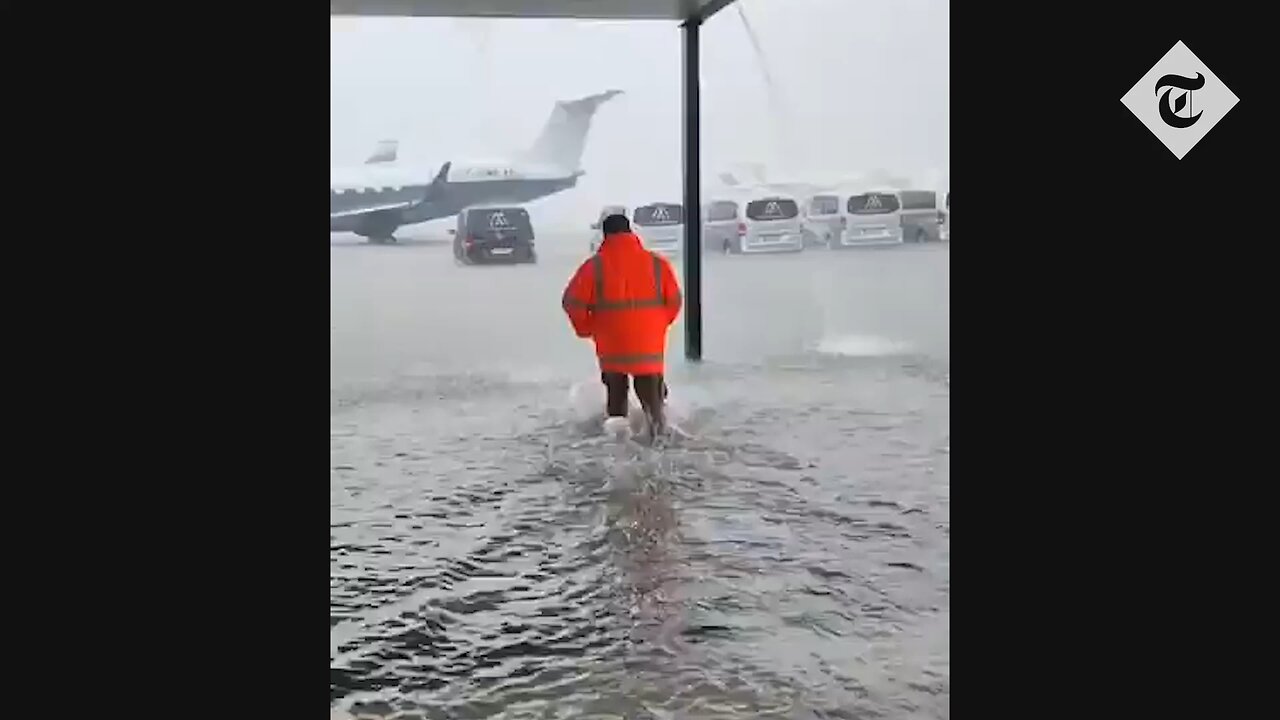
(615, 224)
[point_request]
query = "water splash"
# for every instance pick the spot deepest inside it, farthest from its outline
(587, 401)
(860, 346)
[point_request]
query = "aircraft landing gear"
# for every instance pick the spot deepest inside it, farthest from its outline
(379, 228)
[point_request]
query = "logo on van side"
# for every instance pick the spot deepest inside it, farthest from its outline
(1180, 120)
(873, 203)
(772, 209)
(660, 213)
(498, 220)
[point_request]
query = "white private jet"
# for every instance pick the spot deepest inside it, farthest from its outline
(382, 199)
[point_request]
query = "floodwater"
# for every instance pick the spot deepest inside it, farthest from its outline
(491, 556)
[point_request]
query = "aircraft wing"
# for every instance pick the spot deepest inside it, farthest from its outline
(429, 193)
(369, 209)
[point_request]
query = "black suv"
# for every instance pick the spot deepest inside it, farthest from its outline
(494, 234)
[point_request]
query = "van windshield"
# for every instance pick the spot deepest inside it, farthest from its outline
(722, 210)
(772, 209)
(659, 214)
(824, 205)
(873, 204)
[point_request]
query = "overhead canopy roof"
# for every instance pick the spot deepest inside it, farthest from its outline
(587, 9)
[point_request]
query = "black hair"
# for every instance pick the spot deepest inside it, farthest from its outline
(615, 224)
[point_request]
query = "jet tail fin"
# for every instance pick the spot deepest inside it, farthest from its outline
(385, 152)
(563, 138)
(752, 173)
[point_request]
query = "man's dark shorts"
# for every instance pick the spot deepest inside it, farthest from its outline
(651, 389)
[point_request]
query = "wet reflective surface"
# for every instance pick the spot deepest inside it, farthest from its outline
(493, 556)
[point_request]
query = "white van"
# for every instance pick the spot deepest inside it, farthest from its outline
(918, 216)
(721, 225)
(871, 218)
(945, 233)
(597, 234)
(770, 223)
(822, 220)
(661, 227)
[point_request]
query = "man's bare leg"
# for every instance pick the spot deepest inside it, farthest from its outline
(617, 387)
(651, 390)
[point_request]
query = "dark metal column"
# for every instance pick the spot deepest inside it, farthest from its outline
(692, 148)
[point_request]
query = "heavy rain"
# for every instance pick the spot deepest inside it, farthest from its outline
(494, 553)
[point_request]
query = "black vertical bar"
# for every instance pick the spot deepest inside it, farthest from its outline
(692, 149)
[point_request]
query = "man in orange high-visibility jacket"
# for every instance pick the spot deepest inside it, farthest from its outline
(625, 297)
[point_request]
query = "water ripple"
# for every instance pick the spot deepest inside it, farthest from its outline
(789, 561)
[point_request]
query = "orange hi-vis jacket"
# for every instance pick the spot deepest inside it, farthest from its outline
(625, 297)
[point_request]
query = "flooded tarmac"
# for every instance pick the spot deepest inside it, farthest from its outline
(492, 556)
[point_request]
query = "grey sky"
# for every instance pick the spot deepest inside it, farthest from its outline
(864, 84)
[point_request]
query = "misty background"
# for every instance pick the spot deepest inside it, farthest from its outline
(857, 85)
